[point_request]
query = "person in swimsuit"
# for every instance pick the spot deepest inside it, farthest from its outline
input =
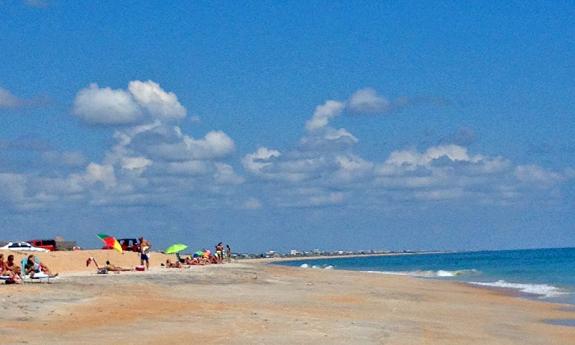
(108, 268)
(219, 253)
(32, 267)
(228, 253)
(10, 270)
(145, 252)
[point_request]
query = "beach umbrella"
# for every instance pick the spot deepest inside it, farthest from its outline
(111, 242)
(175, 248)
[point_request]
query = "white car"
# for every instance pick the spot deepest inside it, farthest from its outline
(23, 246)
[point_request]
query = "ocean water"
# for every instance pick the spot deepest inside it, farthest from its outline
(547, 274)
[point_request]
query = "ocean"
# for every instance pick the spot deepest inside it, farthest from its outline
(547, 274)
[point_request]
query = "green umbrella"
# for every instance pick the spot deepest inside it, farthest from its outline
(175, 248)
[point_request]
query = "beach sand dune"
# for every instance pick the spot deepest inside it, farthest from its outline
(254, 303)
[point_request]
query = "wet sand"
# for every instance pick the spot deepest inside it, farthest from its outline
(254, 303)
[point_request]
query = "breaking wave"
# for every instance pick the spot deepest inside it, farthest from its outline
(430, 274)
(542, 290)
(325, 267)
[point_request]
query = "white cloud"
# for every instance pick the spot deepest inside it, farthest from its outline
(225, 174)
(412, 158)
(215, 144)
(256, 162)
(538, 176)
(106, 106)
(323, 113)
(142, 101)
(161, 104)
(135, 163)
(368, 101)
(193, 167)
(100, 173)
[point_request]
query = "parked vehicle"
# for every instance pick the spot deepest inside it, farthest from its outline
(57, 243)
(23, 246)
(46, 244)
(128, 244)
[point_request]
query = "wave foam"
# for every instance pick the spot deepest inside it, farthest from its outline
(429, 274)
(325, 267)
(542, 290)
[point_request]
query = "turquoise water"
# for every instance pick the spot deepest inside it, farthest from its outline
(547, 274)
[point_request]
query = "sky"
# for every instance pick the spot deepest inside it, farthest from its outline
(278, 125)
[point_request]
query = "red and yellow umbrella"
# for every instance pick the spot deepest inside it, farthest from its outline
(111, 242)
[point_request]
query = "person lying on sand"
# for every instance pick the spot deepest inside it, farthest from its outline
(108, 268)
(34, 267)
(197, 261)
(8, 269)
(170, 264)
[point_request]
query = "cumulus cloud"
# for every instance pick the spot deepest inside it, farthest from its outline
(538, 176)
(150, 96)
(324, 169)
(368, 101)
(100, 173)
(323, 113)
(142, 101)
(152, 161)
(257, 161)
(106, 106)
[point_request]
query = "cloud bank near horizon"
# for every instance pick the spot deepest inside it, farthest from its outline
(152, 162)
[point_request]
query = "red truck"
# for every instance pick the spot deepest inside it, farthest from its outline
(46, 244)
(54, 244)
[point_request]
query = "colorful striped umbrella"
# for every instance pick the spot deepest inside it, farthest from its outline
(111, 242)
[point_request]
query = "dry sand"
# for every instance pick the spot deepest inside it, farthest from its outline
(255, 303)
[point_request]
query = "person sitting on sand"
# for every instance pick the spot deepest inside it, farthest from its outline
(193, 261)
(1, 264)
(108, 268)
(10, 270)
(32, 267)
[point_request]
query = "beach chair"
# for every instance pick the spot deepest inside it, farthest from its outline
(39, 277)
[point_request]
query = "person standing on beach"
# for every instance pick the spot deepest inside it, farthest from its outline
(228, 253)
(145, 246)
(220, 252)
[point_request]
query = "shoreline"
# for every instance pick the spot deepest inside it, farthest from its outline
(515, 292)
(253, 302)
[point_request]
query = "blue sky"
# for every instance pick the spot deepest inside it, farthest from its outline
(428, 125)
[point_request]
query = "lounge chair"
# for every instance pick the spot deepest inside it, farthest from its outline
(38, 277)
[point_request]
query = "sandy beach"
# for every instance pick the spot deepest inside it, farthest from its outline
(251, 302)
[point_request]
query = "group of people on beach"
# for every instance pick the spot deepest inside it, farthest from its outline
(204, 257)
(31, 267)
